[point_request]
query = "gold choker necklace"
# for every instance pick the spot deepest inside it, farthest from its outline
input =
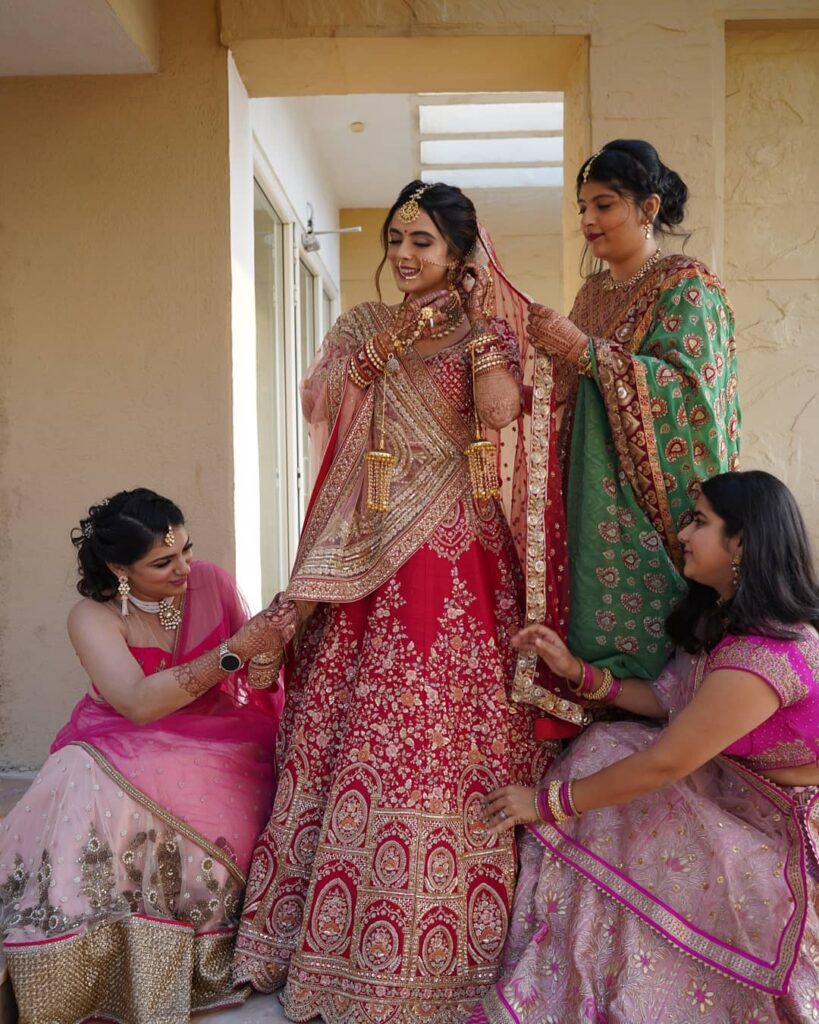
(610, 285)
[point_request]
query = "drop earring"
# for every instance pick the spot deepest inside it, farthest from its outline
(647, 229)
(736, 570)
(123, 589)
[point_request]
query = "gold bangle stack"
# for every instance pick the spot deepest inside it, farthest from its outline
(356, 375)
(489, 362)
(605, 688)
(373, 356)
(553, 797)
(482, 339)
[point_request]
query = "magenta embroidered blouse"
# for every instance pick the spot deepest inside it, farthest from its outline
(790, 737)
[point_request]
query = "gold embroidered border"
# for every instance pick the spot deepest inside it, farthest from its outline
(628, 407)
(659, 487)
(678, 932)
(327, 568)
(136, 963)
(524, 689)
(170, 819)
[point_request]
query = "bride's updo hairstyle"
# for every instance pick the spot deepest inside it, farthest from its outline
(121, 529)
(451, 211)
(632, 169)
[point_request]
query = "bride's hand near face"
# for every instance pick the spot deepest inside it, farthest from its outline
(477, 292)
(410, 313)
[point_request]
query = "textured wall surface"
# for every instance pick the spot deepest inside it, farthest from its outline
(772, 250)
(115, 328)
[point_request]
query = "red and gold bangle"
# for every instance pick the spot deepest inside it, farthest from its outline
(356, 376)
(375, 359)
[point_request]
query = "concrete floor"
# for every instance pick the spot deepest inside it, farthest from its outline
(258, 1009)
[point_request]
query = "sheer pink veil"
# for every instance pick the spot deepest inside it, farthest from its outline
(532, 492)
(191, 762)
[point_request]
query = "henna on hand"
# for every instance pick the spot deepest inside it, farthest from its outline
(551, 332)
(198, 676)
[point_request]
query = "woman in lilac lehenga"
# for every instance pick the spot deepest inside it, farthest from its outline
(671, 874)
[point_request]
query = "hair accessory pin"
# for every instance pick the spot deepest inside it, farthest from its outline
(88, 529)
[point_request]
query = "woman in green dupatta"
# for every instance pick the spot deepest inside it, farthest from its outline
(646, 368)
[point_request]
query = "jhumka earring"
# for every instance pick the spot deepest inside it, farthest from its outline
(123, 589)
(647, 229)
(411, 210)
(170, 538)
(736, 571)
(481, 455)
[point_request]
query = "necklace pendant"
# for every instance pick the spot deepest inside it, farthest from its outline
(169, 616)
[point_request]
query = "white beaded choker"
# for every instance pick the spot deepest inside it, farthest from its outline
(169, 616)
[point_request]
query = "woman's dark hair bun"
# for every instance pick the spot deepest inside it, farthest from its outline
(120, 529)
(633, 167)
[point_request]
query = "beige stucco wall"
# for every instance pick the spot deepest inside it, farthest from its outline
(115, 328)
(772, 250)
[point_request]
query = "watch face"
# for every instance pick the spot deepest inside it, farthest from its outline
(230, 662)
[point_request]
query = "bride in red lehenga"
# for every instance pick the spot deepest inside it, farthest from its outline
(376, 893)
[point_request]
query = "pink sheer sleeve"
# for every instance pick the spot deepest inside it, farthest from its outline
(325, 386)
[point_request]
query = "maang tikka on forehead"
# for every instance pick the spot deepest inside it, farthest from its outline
(588, 167)
(170, 538)
(411, 210)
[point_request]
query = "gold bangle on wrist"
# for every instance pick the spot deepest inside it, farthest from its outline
(553, 797)
(356, 376)
(604, 689)
(570, 798)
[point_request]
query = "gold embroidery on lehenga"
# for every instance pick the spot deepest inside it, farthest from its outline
(402, 909)
(170, 819)
(137, 964)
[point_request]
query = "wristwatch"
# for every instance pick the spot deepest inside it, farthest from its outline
(228, 661)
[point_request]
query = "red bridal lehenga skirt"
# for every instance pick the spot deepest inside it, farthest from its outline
(376, 893)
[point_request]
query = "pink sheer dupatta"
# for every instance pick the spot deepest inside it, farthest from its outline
(188, 767)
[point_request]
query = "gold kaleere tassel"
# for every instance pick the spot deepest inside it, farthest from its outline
(380, 465)
(482, 457)
(483, 469)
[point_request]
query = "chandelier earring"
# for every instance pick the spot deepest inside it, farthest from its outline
(647, 229)
(736, 571)
(123, 589)
(452, 275)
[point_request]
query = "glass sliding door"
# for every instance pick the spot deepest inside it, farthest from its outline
(272, 384)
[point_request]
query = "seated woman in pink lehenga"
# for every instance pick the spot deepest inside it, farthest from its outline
(122, 869)
(671, 874)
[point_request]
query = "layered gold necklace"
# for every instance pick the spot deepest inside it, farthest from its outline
(610, 285)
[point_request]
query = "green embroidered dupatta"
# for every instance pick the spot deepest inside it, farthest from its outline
(656, 411)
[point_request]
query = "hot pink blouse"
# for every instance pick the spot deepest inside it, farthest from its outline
(790, 737)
